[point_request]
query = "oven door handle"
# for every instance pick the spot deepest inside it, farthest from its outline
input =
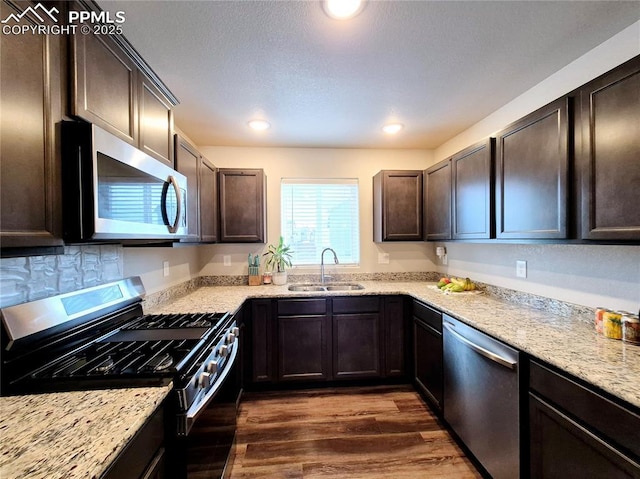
(196, 409)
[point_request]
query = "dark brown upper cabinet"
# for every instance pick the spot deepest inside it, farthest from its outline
(155, 121)
(32, 99)
(104, 85)
(397, 205)
(202, 194)
(188, 163)
(472, 191)
(609, 154)
(437, 199)
(208, 197)
(113, 87)
(532, 169)
(242, 205)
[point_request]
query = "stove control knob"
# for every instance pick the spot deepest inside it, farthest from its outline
(235, 331)
(212, 367)
(224, 351)
(204, 380)
(231, 338)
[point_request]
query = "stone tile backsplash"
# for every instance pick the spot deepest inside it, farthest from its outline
(35, 277)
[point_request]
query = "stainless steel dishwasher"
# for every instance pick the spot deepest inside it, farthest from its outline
(481, 396)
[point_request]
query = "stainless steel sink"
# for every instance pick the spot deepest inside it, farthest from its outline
(326, 287)
(344, 287)
(306, 287)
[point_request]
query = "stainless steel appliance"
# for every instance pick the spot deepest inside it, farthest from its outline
(481, 396)
(99, 338)
(112, 190)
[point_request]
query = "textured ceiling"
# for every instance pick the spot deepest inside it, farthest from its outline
(436, 66)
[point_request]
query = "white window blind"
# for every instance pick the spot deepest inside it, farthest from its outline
(318, 214)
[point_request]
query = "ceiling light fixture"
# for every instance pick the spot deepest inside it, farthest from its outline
(342, 9)
(392, 128)
(259, 125)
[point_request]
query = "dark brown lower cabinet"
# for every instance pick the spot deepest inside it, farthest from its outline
(144, 456)
(356, 349)
(394, 336)
(575, 432)
(304, 348)
(428, 353)
(261, 348)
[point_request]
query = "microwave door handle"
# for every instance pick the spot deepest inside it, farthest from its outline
(176, 188)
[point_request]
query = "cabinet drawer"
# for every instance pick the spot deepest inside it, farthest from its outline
(290, 307)
(362, 304)
(617, 423)
(429, 315)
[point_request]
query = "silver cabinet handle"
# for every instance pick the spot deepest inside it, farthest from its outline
(480, 350)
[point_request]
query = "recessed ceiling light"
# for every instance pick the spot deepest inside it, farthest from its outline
(392, 128)
(259, 125)
(342, 9)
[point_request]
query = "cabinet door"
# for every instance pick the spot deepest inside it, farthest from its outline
(472, 190)
(394, 336)
(155, 122)
(262, 347)
(610, 154)
(397, 205)
(531, 175)
(208, 201)
(428, 363)
(242, 205)
(31, 101)
(356, 350)
(187, 162)
(437, 223)
(105, 86)
(304, 348)
(564, 449)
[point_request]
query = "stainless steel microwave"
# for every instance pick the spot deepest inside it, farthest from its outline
(113, 191)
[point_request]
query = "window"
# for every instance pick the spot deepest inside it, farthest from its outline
(318, 214)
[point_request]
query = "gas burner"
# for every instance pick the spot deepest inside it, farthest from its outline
(105, 366)
(197, 323)
(160, 363)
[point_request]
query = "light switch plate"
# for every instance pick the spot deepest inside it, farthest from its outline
(226, 259)
(521, 269)
(165, 268)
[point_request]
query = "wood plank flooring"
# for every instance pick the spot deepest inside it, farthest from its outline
(354, 433)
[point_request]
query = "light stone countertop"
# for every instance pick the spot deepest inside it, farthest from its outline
(567, 341)
(71, 435)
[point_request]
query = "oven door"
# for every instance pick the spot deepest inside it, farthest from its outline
(209, 427)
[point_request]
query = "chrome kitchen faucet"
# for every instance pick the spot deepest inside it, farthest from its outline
(335, 258)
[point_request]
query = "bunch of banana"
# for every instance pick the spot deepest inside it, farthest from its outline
(456, 285)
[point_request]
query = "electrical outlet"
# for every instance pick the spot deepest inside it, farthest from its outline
(226, 259)
(383, 258)
(165, 268)
(521, 269)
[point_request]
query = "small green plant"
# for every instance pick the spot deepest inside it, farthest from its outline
(278, 257)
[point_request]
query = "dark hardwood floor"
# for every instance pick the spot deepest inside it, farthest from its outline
(364, 433)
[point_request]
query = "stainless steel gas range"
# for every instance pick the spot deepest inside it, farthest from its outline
(99, 338)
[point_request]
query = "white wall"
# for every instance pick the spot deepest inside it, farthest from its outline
(280, 163)
(148, 263)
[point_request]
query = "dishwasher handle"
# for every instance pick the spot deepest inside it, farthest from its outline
(479, 349)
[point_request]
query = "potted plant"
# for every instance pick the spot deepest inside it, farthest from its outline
(278, 258)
